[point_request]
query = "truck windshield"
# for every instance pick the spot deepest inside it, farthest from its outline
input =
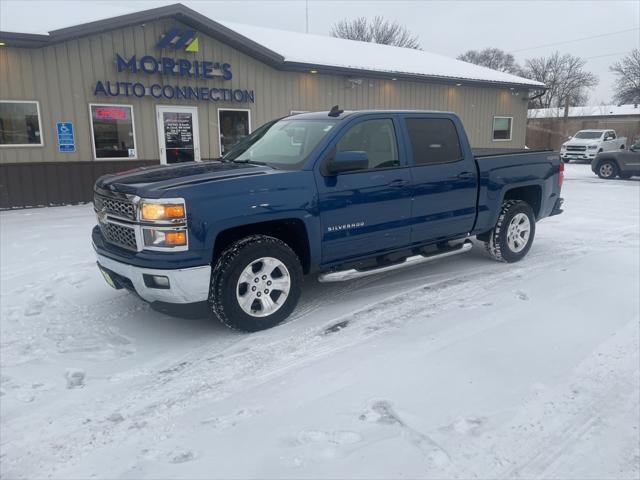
(588, 135)
(283, 144)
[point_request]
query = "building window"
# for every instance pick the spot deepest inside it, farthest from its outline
(20, 124)
(233, 125)
(502, 128)
(433, 140)
(113, 132)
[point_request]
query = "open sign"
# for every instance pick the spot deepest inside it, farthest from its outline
(110, 113)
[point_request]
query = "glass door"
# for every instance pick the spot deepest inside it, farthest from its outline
(178, 134)
(233, 126)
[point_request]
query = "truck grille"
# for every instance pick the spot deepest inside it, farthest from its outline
(575, 148)
(120, 235)
(115, 206)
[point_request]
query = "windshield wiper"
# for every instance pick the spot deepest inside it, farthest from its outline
(247, 161)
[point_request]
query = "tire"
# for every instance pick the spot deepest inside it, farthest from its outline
(607, 170)
(508, 241)
(266, 258)
(566, 160)
(621, 147)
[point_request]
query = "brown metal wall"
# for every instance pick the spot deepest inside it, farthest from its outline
(39, 184)
(551, 133)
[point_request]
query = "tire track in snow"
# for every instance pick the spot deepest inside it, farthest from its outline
(204, 378)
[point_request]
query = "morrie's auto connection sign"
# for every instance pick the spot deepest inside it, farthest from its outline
(172, 67)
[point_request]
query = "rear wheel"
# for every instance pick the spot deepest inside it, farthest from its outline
(255, 284)
(607, 170)
(511, 238)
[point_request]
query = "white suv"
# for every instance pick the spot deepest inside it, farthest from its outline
(586, 144)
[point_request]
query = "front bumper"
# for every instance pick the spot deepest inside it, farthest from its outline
(578, 155)
(187, 285)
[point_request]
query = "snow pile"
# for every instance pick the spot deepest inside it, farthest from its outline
(464, 368)
(319, 51)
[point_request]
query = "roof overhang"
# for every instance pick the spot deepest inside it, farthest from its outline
(230, 37)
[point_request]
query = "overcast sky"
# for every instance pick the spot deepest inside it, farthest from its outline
(525, 28)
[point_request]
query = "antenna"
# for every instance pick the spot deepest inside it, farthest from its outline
(306, 11)
(335, 111)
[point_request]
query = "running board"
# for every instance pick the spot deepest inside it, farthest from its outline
(344, 275)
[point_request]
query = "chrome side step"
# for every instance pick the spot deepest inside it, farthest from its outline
(344, 275)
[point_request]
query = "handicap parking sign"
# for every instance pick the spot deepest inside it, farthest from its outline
(66, 138)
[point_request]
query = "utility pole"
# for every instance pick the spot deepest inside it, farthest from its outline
(306, 10)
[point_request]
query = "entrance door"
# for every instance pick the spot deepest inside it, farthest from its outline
(233, 126)
(178, 134)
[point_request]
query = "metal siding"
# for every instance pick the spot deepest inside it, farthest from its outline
(62, 78)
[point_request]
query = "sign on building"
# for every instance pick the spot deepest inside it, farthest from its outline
(66, 138)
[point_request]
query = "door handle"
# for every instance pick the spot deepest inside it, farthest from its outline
(399, 183)
(466, 175)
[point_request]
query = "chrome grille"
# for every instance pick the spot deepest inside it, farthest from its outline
(576, 148)
(114, 206)
(120, 235)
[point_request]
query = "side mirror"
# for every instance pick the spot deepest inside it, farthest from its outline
(569, 137)
(348, 161)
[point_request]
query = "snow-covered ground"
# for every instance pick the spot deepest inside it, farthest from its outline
(462, 368)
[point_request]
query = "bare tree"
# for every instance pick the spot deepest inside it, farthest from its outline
(566, 80)
(493, 58)
(627, 85)
(378, 30)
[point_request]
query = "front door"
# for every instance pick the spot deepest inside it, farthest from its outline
(178, 134)
(367, 211)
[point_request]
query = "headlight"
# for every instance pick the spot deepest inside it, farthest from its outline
(563, 147)
(165, 238)
(156, 211)
(592, 147)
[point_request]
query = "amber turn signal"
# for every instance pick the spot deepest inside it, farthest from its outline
(175, 238)
(157, 211)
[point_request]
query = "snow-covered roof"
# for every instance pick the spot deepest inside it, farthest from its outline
(295, 50)
(588, 111)
(320, 50)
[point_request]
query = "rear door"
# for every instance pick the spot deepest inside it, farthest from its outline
(366, 211)
(444, 177)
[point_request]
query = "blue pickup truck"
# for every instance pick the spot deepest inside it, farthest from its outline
(338, 194)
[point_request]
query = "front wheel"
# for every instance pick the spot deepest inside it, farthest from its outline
(607, 170)
(255, 284)
(510, 240)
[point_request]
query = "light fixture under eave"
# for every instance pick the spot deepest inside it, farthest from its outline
(313, 71)
(394, 79)
(458, 84)
(2, 44)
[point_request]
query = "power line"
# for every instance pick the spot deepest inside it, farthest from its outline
(577, 40)
(606, 55)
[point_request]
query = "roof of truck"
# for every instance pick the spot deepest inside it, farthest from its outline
(350, 113)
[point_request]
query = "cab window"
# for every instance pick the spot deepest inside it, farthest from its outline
(377, 138)
(433, 140)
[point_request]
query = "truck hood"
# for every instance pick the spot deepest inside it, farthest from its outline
(582, 142)
(154, 181)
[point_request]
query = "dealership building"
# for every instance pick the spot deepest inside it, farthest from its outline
(170, 85)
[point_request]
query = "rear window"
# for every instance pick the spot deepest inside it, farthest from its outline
(433, 140)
